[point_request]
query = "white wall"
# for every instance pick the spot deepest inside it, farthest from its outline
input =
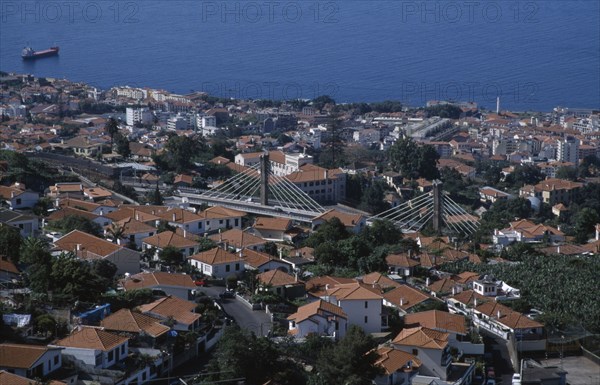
(24, 200)
(356, 311)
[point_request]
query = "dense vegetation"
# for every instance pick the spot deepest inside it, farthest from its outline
(563, 287)
(340, 252)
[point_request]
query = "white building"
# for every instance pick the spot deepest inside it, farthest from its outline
(568, 150)
(178, 122)
(363, 306)
(321, 318)
(138, 115)
(31, 361)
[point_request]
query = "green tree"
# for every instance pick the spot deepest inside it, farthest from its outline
(155, 197)
(332, 154)
(171, 255)
(240, 354)
(206, 244)
(122, 145)
(428, 160)
(332, 230)
(180, 152)
(351, 361)
(567, 173)
(77, 222)
(320, 101)
(112, 128)
(372, 198)
(381, 232)
(10, 242)
(35, 254)
(585, 221)
(525, 174)
(404, 157)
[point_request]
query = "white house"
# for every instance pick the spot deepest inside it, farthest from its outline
(321, 318)
(28, 225)
(18, 198)
(218, 263)
(430, 346)
(399, 367)
(95, 347)
(88, 247)
(159, 241)
(178, 285)
(256, 260)
(361, 303)
(31, 361)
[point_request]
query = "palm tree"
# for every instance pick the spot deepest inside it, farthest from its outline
(116, 231)
(111, 127)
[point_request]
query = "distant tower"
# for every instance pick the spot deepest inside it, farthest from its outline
(264, 179)
(438, 206)
(498, 105)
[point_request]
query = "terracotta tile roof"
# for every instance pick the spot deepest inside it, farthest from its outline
(216, 212)
(8, 266)
(182, 311)
(183, 178)
(436, 319)
(552, 184)
(506, 316)
(379, 279)
(394, 360)
(401, 260)
(277, 157)
(256, 258)
(169, 238)
(468, 297)
(318, 285)
(157, 278)
(443, 286)
(278, 278)
(86, 246)
(466, 277)
(20, 356)
(78, 203)
(349, 220)
(565, 250)
(134, 212)
(354, 291)
(71, 211)
(406, 297)
(92, 338)
(215, 256)
(279, 224)
(422, 337)
(60, 188)
(128, 321)
(12, 379)
(97, 193)
(238, 238)
(319, 307)
(131, 226)
(179, 215)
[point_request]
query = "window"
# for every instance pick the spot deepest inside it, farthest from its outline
(111, 355)
(18, 201)
(220, 221)
(237, 266)
(237, 222)
(366, 304)
(191, 250)
(132, 238)
(227, 268)
(122, 349)
(55, 360)
(366, 319)
(199, 225)
(415, 352)
(144, 376)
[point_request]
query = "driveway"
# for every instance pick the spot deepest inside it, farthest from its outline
(256, 321)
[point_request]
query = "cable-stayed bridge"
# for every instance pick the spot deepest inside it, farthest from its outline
(258, 190)
(435, 206)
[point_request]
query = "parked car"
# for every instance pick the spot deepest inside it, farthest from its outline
(201, 282)
(227, 294)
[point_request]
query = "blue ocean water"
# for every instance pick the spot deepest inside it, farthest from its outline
(534, 55)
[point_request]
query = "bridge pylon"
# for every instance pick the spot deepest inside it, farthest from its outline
(438, 206)
(264, 179)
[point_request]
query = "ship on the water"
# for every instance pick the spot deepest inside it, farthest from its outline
(29, 53)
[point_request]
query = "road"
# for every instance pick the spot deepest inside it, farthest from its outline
(256, 321)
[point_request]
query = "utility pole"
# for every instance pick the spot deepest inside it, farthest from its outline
(264, 179)
(438, 206)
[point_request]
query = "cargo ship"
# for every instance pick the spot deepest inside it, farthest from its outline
(30, 54)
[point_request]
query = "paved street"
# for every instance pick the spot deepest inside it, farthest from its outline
(256, 321)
